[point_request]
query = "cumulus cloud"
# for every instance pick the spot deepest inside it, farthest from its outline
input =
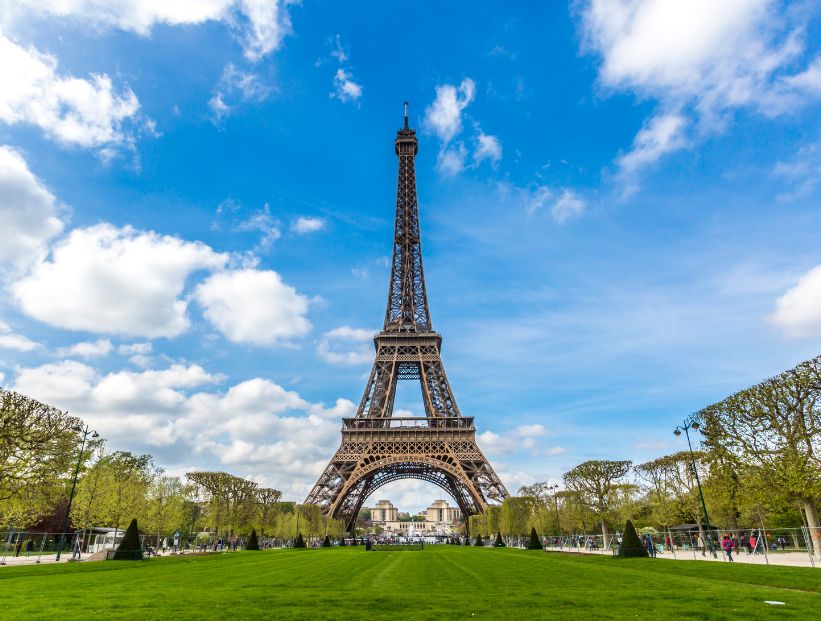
(11, 340)
(260, 25)
(519, 439)
(487, 148)
(700, 60)
(345, 86)
(253, 306)
(73, 111)
(304, 224)
(451, 160)
(346, 346)
(105, 279)
(28, 211)
(798, 311)
(444, 115)
(254, 428)
(88, 349)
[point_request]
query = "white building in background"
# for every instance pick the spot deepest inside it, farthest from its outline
(439, 519)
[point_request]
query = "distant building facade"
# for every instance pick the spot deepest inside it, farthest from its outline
(437, 519)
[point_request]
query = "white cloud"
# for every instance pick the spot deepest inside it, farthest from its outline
(451, 160)
(236, 86)
(108, 280)
(522, 438)
(11, 340)
(700, 60)
(28, 211)
(75, 111)
(563, 207)
(803, 171)
(260, 25)
(219, 108)
(444, 115)
(129, 349)
(304, 224)
(487, 148)
(338, 52)
(567, 206)
(88, 349)
(798, 311)
(345, 87)
(253, 306)
(329, 348)
(255, 428)
(262, 222)
(659, 136)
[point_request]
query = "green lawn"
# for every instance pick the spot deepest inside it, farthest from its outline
(439, 582)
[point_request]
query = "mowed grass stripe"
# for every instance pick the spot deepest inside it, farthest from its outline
(440, 582)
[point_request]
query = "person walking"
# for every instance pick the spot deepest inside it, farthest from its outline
(782, 543)
(651, 547)
(29, 546)
(727, 544)
(75, 551)
(701, 546)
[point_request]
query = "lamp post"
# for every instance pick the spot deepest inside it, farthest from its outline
(554, 488)
(85, 433)
(685, 427)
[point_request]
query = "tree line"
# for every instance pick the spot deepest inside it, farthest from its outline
(40, 447)
(758, 457)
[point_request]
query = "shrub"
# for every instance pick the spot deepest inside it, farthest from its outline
(130, 548)
(498, 543)
(253, 541)
(300, 542)
(631, 545)
(479, 541)
(326, 543)
(535, 543)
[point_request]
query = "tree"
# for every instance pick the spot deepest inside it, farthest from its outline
(631, 545)
(39, 448)
(479, 541)
(300, 542)
(499, 543)
(775, 427)
(326, 543)
(130, 548)
(253, 541)
(596, 482)
(164, 505)
(515, 515)
(535, 543)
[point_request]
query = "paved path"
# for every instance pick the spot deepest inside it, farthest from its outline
(792, 559)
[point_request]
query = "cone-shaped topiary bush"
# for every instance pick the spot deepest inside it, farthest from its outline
(631, 545)
(253, 541)
(535, 543)
(326, 543)
(498, 543)
(300, 542)
(130, 548)
(478, 541)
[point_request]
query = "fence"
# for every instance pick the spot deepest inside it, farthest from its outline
(765, 546)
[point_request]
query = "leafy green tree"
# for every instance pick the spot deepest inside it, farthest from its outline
(597, 484)
(775, 428)
(515, 515)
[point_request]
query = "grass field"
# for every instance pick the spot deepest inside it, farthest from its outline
(439, 582)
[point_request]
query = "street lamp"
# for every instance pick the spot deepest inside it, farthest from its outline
(685, 427)
(554, 488)
(85, 433)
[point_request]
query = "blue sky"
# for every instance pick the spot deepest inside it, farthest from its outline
(619, 206)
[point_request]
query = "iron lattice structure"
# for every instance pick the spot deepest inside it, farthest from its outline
(377, 447)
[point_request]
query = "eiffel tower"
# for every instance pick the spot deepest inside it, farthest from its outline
(377, 447)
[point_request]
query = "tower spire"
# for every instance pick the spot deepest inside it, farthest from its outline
(407, 309)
